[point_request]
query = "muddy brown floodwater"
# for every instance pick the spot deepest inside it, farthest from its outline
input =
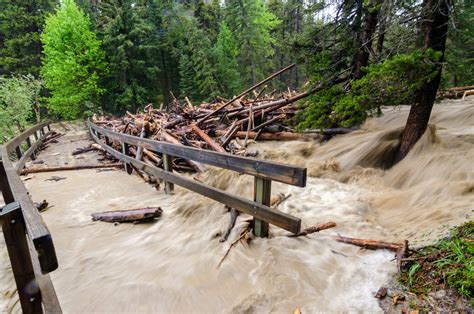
(171, 265)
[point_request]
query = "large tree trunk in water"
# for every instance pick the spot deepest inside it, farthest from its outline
(371, 19)
(435, 28)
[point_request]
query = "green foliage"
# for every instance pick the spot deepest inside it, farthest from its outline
(18, 97)
(192, 47)
(20, 25)
(128, 30)
(459, 66)
(73, 62)
(390, 83)
(252, 23)
(450, 262)
(226, 51)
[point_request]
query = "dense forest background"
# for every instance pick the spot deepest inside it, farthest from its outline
(68, 59)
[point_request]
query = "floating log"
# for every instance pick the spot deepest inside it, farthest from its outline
(372, 244)
(139, 215)
(313, 229)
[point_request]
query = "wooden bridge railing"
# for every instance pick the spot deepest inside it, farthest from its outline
(264, 172)
(28, 240)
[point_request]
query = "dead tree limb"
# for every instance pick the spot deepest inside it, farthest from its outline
(245, 93)
(313, 229)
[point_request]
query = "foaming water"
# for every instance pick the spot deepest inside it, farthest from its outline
(171, 265)
(419, 198)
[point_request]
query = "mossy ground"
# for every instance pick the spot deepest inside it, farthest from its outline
(445, 266)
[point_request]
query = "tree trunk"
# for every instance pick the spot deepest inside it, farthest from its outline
(371, 19)
(435, 28)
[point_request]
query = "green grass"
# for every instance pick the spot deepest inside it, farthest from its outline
(448, 264)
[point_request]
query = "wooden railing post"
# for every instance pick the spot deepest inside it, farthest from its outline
(28, 142)
(36, 135)
(49, 127)
(168, 166)
(18, 152)
(14, 231)
(125, 151)
(262, 195)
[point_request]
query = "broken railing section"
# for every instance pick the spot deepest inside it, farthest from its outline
(28, 240)
(264, 172)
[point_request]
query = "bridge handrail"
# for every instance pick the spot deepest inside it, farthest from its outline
(38, 238)
(259, 208)
(260, 168)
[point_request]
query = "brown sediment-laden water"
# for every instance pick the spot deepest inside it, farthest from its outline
(171, 265)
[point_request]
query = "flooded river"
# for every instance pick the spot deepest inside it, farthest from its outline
(171, 265)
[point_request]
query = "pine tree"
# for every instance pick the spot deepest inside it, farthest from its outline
(129, 39)
(197, 64)
(226, 51)
(73, 62)
(21, 23)
(251, 23)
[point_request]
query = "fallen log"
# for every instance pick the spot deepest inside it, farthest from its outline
(372, 244)
(278, 136)
(170, 139)
(313, 229)
(332, 131)
(66, 168)
(139, 215)
(207, 139)
(245, 93)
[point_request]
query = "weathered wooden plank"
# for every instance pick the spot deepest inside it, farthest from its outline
(260, 168)
(13, 226)
(48, 293)
(10, 146)
(259, 211)
(168, 166)
(35, 226)
(262, 195)
(22, 161)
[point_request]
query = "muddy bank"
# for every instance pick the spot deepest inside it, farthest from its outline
(171, 265)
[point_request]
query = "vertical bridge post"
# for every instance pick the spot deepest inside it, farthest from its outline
(168, 166)
(125, 151)
(262, 195)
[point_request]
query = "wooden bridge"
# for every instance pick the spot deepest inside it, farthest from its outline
(30, 244)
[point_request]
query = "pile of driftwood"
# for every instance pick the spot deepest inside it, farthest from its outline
(456, 92)
(227, 125)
